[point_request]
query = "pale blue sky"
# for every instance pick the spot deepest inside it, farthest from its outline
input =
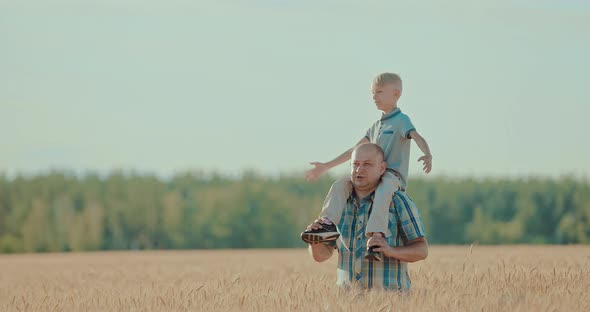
(497, 89)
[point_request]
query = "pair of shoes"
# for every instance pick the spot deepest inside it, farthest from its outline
(326, 233)
(373, 255)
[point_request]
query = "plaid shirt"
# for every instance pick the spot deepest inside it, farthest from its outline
(405, 225)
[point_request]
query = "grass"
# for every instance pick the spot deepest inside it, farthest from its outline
(453, 278)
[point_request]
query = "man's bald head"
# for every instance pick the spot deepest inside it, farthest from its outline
(371, 147)
(367, 167)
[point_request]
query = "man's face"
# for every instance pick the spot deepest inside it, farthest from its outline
(367, 168)
(385, 96)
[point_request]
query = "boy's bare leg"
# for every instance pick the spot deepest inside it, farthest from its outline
(336, 200)
(379, 218)
(331, 213)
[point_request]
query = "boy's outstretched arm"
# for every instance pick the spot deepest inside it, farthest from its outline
(427, 158)
(321, 168)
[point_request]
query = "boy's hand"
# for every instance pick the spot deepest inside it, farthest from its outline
(427, 162)
(316, 172)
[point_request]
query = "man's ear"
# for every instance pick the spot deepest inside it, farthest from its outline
(383, 167)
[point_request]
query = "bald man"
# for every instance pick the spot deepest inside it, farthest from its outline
(407, 242)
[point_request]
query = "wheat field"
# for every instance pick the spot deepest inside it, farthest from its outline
(453, 278)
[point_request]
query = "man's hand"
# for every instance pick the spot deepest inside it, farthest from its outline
(319, 251)
(427, 162)
(383, 246)
(316, 225)
(412, 251)
(316, 172)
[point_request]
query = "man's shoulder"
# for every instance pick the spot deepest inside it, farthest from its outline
(401, 194)
(400, 199)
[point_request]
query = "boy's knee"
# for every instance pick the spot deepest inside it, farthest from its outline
(343, 183)
(345, 180)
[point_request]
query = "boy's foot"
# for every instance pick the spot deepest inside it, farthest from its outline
(373, 255)
(326, 233)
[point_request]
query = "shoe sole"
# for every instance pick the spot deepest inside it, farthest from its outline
(373, 256)
(318, 238)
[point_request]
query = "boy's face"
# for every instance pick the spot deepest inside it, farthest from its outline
(386, 96)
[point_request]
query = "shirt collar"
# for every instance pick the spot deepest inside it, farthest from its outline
(352, 199)
(391, 114)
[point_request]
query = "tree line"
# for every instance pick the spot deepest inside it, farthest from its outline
(60, 211)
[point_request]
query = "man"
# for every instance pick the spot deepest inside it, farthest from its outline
(407, 242)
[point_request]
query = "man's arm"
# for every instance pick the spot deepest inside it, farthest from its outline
(320, 252)
(423, 145)
(414, 250)
(321, 168)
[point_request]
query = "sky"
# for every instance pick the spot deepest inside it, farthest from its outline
(497, 89)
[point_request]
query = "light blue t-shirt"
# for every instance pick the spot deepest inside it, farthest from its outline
(392, 134)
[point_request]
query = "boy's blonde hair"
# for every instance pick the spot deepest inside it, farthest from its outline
(388, 78)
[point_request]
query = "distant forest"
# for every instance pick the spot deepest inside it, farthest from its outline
(64, 212)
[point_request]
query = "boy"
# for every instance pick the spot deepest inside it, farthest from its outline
(392, 133)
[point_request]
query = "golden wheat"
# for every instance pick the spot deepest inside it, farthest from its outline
(453, 278)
